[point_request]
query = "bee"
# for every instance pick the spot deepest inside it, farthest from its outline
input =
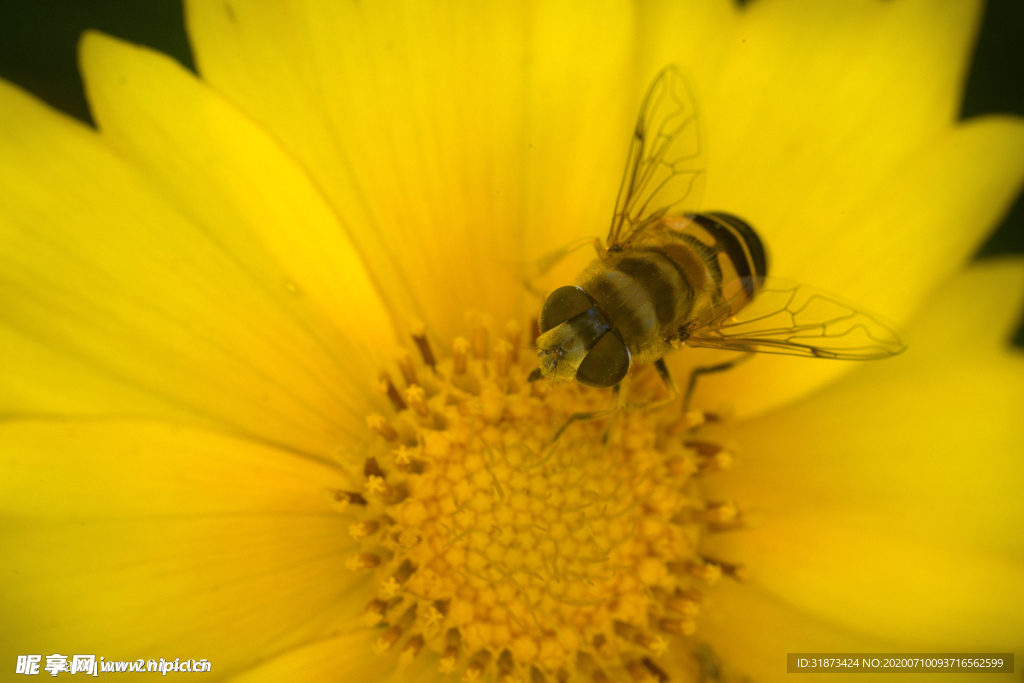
(668, 277)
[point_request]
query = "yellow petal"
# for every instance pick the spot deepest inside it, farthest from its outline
(582, 95)
(975, 314)
(747, 634)
(695, 35)
(473, 134)
(920, 227)
(411, 121)
(820, 104)
(585, 88)
(341, 658)
(746, 631)
(133, 540)
(109, 285)
(890, 503)
(231, 178)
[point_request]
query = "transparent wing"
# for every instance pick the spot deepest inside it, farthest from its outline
(797, 320)
(664, 167)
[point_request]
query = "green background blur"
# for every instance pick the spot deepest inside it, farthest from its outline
(38, 37)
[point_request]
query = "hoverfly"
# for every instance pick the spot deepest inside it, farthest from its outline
(667, 278)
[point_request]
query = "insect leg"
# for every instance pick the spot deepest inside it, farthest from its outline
(666, 378)
(593, 414)
(707, 370)
(550, 260)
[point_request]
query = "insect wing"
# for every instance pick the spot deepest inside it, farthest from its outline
(798, 320)
(664, 166)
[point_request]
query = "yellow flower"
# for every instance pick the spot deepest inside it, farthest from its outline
(204, 302)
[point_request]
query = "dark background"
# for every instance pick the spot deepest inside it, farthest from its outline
(38, 38)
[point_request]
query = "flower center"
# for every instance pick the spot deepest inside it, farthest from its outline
(505, 551)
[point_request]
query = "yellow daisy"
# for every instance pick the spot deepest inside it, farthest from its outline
(265, 333)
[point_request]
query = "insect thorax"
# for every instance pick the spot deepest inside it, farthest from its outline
(658, 287)
(644, 295)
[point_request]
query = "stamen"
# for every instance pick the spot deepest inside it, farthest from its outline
(480, 343)
(477, 664)
(626, 630)
(374, 612)
(683, 627)
(515, 557)
(363, 561)
(376, 485)
(732, 525)
(408, 539)
(736, 572)
(453, 643)
(506, 667)
(603, 647)
(718, 513)
(405, 366)
(685, 602)
(417, 398)
(346, 498)
(502, 357)
(640, 673)
(411, 649)
(387, 640)
(419, 336)
(655, 644)
(708, 572)
(460, 353)
(405, 570)
(435, 613)
(372, 469)
(403, 456)
(679, 426)
(387, 387)
(380, 424)
(513, 333)
(360, 530)
(658, 672)
(391, 636)
(682, 467)
(539, 389)
(720, 461)
(587, 663)
(705, 448)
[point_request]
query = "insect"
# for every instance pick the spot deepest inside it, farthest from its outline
(669, 276)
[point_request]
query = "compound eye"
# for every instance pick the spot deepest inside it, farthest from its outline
(606, 364)
(562, 304)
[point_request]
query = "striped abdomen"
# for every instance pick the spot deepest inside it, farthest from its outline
(672, 273)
